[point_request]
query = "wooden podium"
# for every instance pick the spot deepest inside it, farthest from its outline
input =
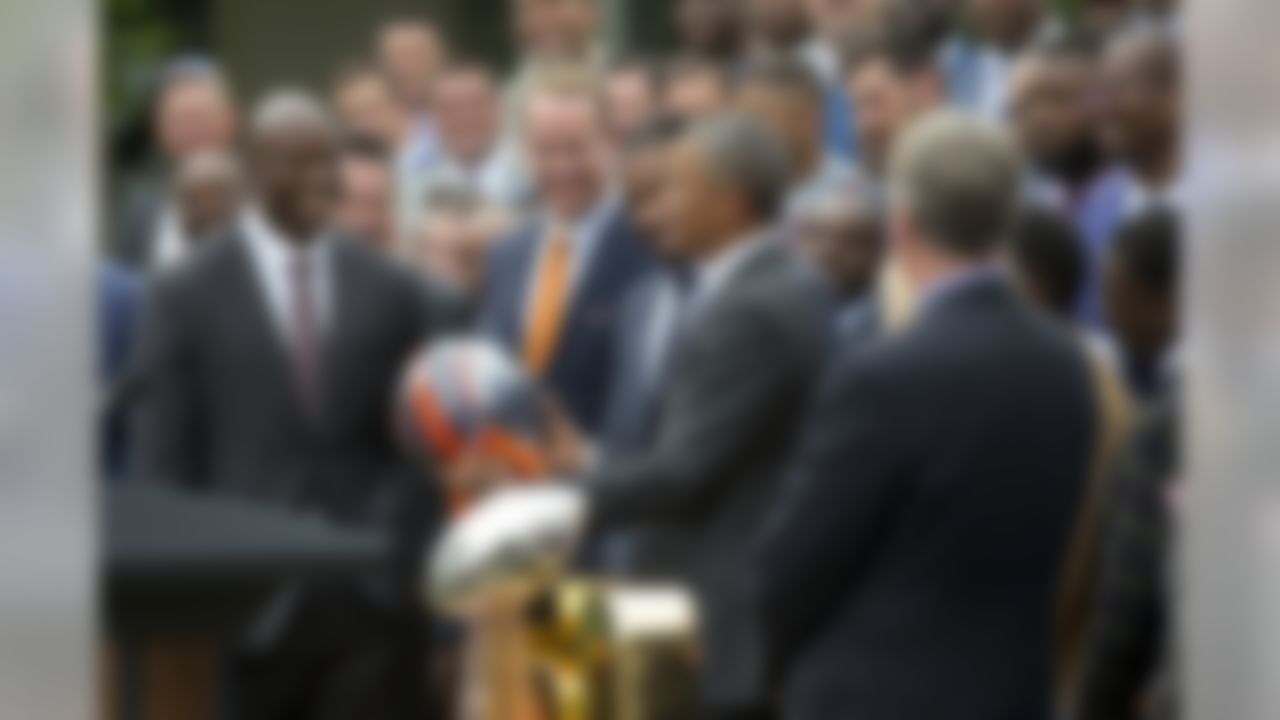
(185, 575)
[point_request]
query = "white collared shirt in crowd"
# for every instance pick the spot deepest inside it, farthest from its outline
(822, 58)
(1140, 197)
(832, 173)
(274, 259)
(498, 178)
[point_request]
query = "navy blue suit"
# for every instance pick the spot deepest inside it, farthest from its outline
(582, 366)
(909, 568)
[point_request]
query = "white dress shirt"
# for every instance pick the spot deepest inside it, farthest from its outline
(585, 236)
(498, 178)
(274, 259)
(660, 330)
(993, 88)
(1140, 197)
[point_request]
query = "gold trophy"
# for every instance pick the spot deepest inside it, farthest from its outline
(544, 646)
(539, 645)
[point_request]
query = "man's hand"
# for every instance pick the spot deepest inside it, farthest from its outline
(515, 540)
(472, 477)
(567, 450)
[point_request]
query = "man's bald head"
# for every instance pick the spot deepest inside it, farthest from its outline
(1053, 89)
(1006, 23)
(294, 160)
(1142, 102)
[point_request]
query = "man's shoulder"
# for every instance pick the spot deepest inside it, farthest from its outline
(779, 294)
(624, 242)
(516, 243)
(776, 274)
(205, 265)
(372, 266)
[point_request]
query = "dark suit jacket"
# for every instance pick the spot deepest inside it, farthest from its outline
(732, 396)
(137, 219)
(218, 410)
(909, 568)
(1131, 647)
(628, 418)
(583, 363)
(117, 294)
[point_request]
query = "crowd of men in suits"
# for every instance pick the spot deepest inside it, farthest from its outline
(848, 310)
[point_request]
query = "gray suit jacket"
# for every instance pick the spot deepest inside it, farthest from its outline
(730, 402)
(217, 408)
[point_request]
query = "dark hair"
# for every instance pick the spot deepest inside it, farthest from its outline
(188, 69)
(357, 69)
(465, 66)
(650, 69)
(364, 147)
(785, 74)
(685, 65)
(1046, 248)
(905, 51)
(659, 131)
(926, 24)
(453, 200)
(1148, 247)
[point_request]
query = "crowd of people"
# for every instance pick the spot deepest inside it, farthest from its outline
(857, 317)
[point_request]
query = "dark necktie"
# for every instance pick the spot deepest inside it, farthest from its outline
(305, 343)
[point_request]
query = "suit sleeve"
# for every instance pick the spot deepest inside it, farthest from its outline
(729, 398)
(166, 423)
(496, 312)
(834, 507)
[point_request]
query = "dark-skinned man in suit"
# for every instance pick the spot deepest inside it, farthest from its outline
(268, 366)
(750, 333)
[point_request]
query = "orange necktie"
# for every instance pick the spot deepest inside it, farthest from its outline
(550, 299)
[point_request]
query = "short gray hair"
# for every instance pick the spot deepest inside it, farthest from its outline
(288, 108)
(745, 154)
(958, 177)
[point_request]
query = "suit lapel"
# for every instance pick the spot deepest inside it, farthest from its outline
(526, 264)
(636, 383)
(346, 301)
(248, 299)
(596, 280)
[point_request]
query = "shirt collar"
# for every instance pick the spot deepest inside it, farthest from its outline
(713, 273)
(270, 245)
(1140, 197)
(951, 285)
(585, 229)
